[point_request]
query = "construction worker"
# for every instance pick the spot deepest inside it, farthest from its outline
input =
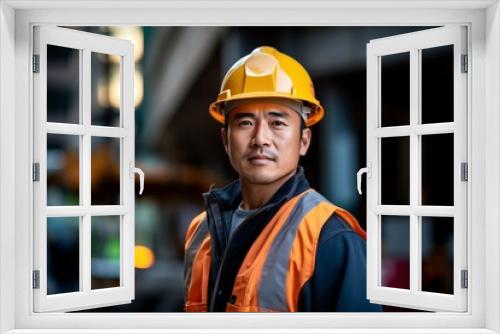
(267, 241)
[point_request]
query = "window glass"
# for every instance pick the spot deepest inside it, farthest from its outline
(63, 169)
(437, 169)
(105, 250)
(437, 84)
(395, 89)
(106, 96)
(395, 165)
(437, 254)
(63, 84)
(105, 171)
(63, 255)
(396, 251)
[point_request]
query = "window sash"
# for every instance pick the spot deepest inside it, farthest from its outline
(86, 297)
(413, 43)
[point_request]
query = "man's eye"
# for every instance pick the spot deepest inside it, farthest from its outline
(245, 123)
(278, 123)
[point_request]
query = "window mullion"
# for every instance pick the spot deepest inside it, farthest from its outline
(85, 260)
(419, 129)
(415, 268)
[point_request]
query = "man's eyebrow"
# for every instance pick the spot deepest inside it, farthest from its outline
(239, 115)
(274, 113)
(279, 114)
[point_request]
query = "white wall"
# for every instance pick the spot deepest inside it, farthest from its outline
(492, 202)
(7, 174)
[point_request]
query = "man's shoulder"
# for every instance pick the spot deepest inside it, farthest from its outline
(340, 222)
(337, 227)
(194, 226)
(197, 221)
(199, 217)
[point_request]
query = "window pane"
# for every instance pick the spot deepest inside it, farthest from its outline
(437, 84)
(437, 169)
(105, 90)
(63, 169)
(63, 84)
(395, 166)
(105, 250)
(105, 171)
(63, 255)
(396, 251)
(437, 254)
(395, 89)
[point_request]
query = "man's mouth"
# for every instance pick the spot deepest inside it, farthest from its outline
(260, 157)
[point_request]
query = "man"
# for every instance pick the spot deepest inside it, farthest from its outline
(267, 241)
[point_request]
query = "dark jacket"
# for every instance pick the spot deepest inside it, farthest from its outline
(339, 279)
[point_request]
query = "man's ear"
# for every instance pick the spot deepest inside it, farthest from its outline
(223, 135)
(305, 141)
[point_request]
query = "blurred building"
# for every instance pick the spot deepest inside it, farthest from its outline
(178, 74)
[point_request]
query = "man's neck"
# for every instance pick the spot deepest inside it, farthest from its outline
(258, 195)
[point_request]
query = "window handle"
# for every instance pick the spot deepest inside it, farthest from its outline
(134, 170)
(360, 173)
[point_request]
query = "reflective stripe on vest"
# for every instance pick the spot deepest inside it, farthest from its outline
(278, 263)
(197, 247)
(272, 293)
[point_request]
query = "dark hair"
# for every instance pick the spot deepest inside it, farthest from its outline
(302, 124)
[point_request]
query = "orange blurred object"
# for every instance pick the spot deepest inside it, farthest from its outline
(144, 257)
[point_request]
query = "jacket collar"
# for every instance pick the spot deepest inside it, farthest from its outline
(229, 197)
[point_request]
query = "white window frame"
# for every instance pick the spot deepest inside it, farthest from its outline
(16, 20)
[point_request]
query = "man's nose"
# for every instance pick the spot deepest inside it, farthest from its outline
(261, 135)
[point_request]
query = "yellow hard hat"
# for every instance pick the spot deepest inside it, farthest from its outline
(266, 72)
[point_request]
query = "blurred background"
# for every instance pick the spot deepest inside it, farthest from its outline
(178, 74)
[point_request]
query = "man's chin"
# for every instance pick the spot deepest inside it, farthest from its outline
(262, 180)
(257, 176)
(262, 177)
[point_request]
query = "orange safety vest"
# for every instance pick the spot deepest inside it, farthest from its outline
(277, 265)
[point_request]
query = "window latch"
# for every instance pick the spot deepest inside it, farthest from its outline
(368, 171)
(134, 170)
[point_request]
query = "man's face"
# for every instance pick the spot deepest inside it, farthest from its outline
(264, 141)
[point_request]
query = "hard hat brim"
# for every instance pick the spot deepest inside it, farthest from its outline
(216, 108)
